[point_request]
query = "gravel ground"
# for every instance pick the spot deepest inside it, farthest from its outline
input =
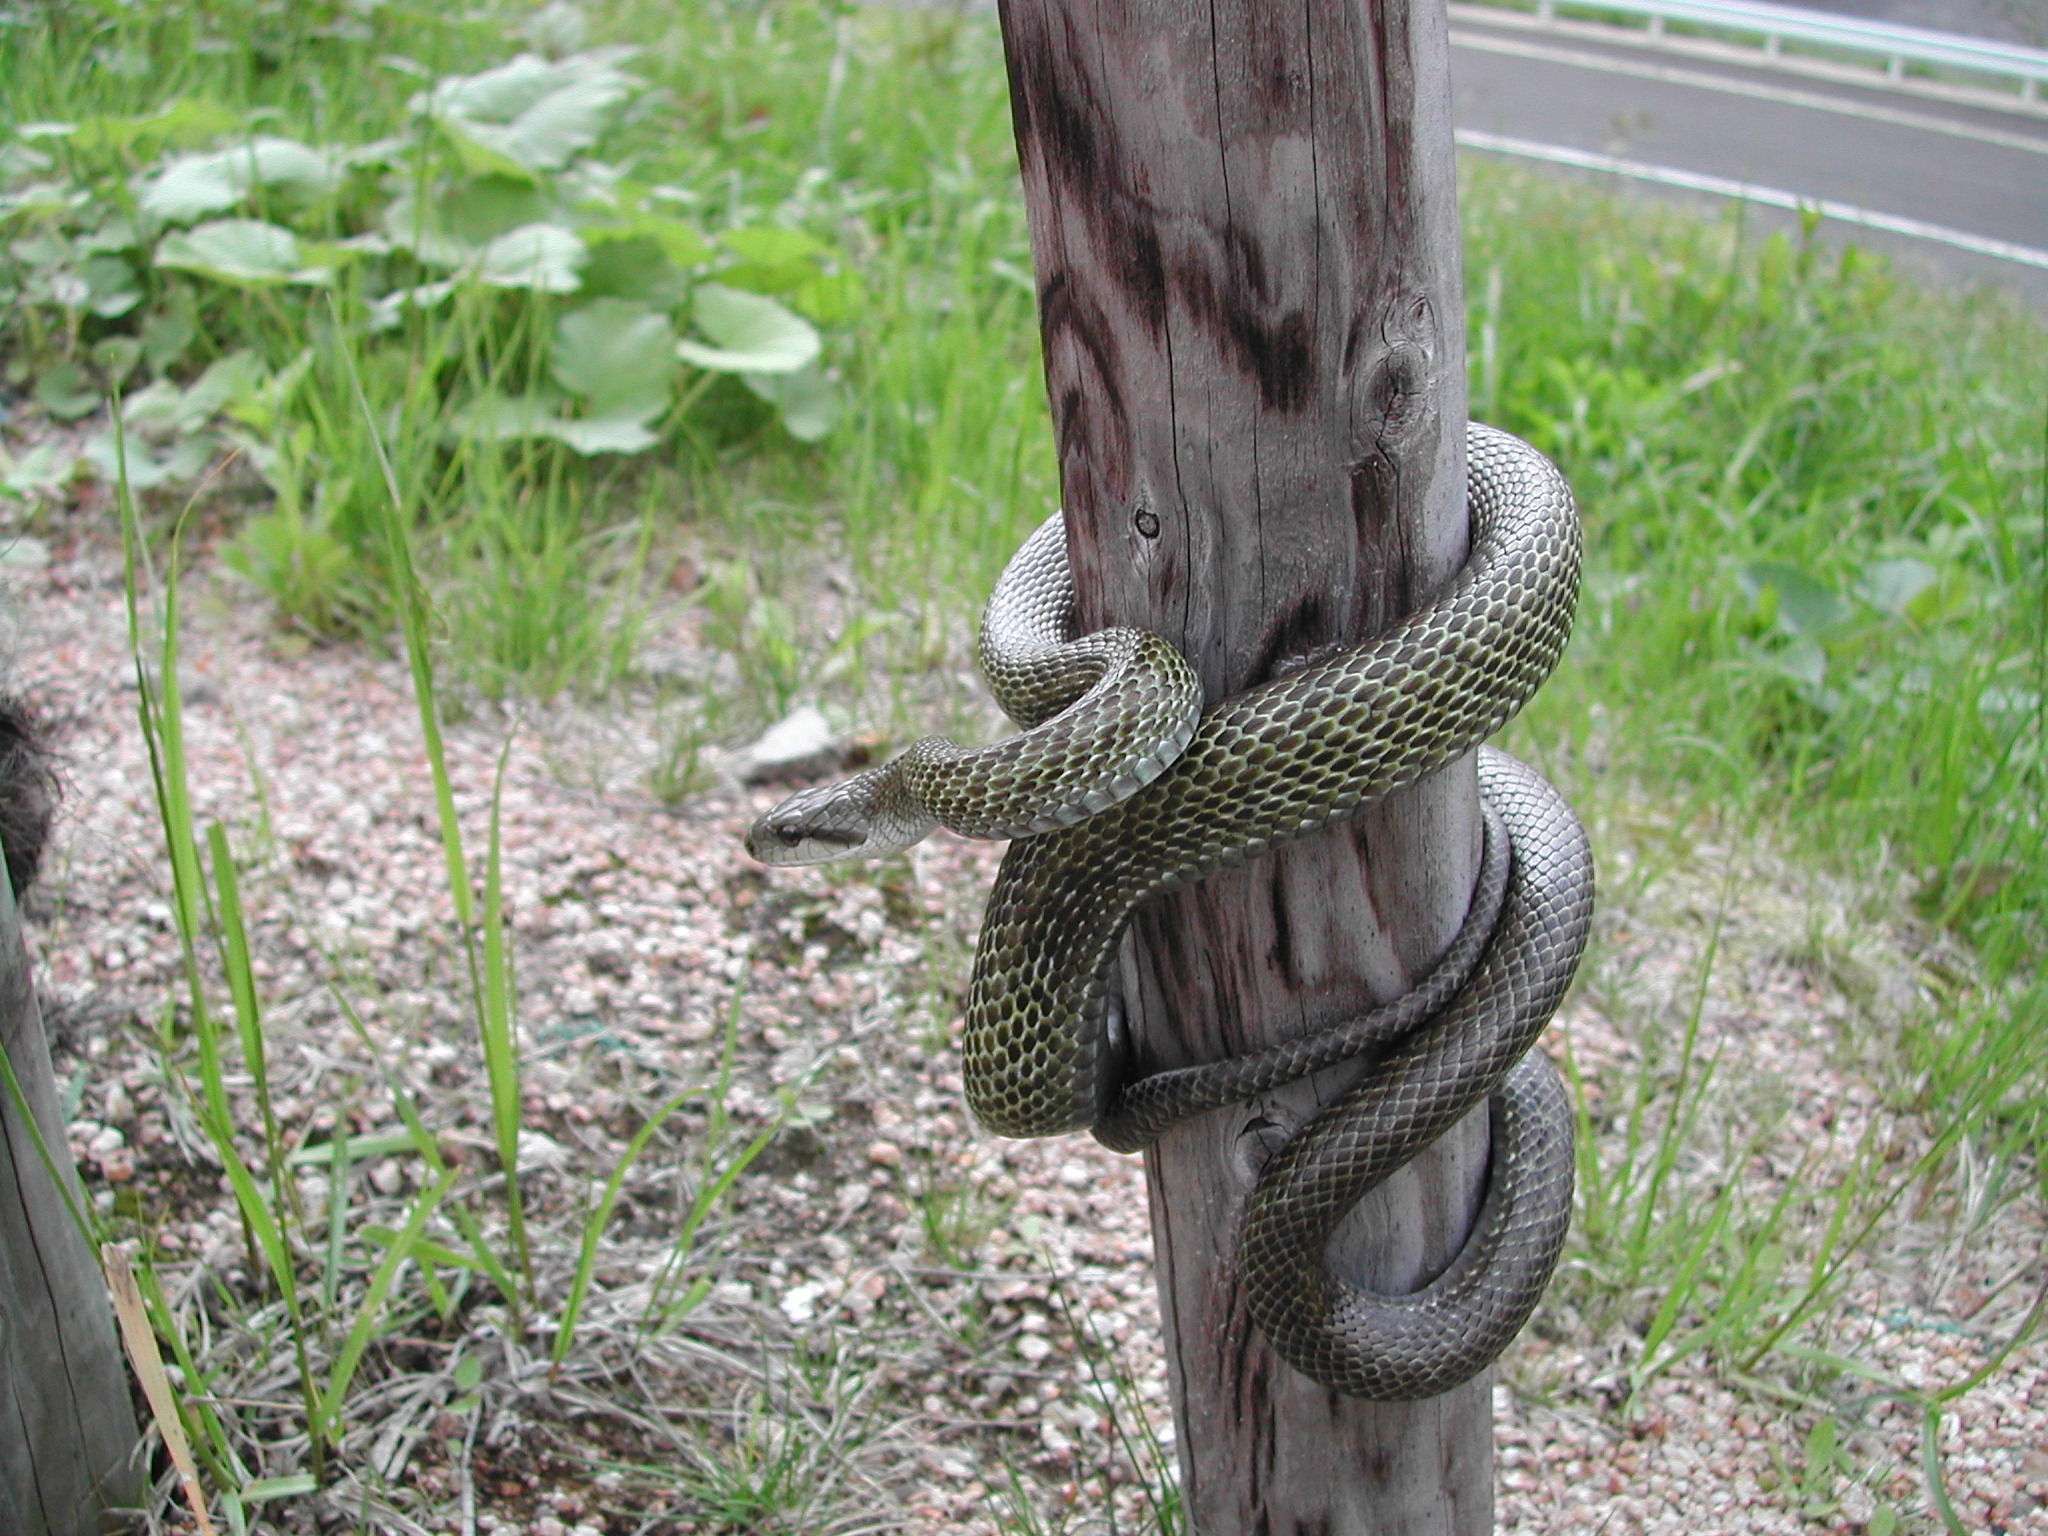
(889, 1292)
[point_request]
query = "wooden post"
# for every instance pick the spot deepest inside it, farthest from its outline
(68, 1442)
(1243, 220)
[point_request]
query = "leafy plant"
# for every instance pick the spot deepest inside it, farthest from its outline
(527, 291)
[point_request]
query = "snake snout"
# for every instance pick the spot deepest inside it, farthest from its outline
(772, 841)
(811, 827)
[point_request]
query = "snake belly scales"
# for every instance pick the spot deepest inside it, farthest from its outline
(1178, 795)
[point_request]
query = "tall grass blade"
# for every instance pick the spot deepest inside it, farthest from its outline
(364, 1327)
(497, 1021)
(594, 1224)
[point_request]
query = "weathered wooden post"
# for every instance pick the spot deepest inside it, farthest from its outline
(68, 1442)
(1244, 224)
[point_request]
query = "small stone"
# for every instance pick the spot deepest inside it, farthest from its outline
(798, 746)
(884, 1154)
(947, 1464)
(538, 1150)
(800, 1302)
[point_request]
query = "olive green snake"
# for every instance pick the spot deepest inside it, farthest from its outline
(1178, 794)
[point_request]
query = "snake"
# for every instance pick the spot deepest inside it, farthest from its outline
(1190, 792)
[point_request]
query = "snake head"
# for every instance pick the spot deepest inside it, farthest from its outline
(811, 827)
(858, 818)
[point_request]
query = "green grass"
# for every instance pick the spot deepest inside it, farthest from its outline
(1816, 608)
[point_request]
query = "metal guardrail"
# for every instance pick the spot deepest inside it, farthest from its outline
(1900, 47)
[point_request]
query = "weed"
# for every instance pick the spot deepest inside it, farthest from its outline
(955, 1216)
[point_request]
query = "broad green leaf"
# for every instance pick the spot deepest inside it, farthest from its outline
(771, 260)
(543, 257)
(497, 95)
(502, 418)
(65, 392)
(557, 28)
(499, 418)
(328, 254)
(453, 225)
(192, 185)
(616, 434)
(43, 198)
(148, 467)
(1804, 661)
(478, 157)
(171, 327)
(807, 401)
(115, 236)
(165, 410)
(185, 121)
(778, 261)
(617, 354)
(829, 298)
(1794, 600)
(116, 357)
(18, 161)
(418, 227)
(477, 212)
(783, 280)
(1892, 585)
(390, 309)
(750, 333)
(37, 471)
(773, 246)
(247, 252)
(110, 283)
(630, 267)
(531, 115)
(685, 247)
(387, 151)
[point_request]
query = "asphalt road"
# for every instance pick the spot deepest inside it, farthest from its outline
(1958, 190)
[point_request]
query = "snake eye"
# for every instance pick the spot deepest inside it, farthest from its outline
(790, 834)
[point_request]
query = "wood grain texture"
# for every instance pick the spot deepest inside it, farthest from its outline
(68, 1439)
(1244, 228)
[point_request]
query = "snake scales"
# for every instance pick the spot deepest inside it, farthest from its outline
(1273, 764)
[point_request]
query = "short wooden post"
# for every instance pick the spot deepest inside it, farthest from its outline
(1243, 221)
(68, 1442)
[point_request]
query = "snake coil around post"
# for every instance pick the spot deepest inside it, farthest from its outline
(1100, 831)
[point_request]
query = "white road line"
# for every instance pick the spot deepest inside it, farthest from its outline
(1772, 197)
(1700, 79)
